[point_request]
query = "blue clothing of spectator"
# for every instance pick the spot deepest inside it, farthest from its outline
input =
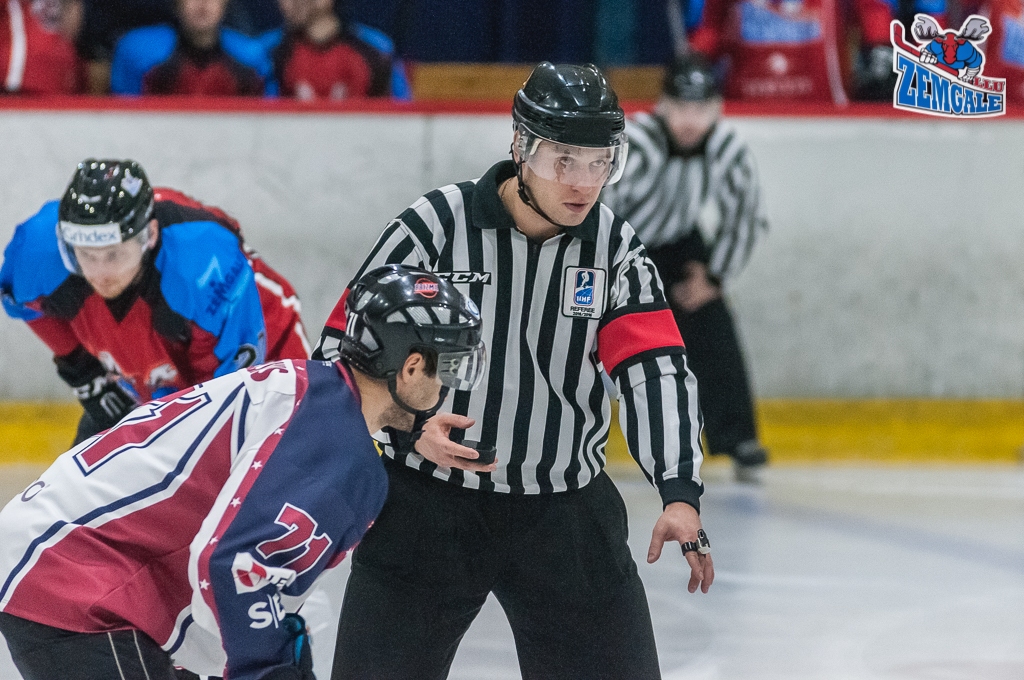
(144, 49)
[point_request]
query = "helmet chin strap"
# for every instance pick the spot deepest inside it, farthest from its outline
(525, 197)
(422, 415)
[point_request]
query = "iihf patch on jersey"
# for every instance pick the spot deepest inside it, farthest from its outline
(943, 76)
(583, 292)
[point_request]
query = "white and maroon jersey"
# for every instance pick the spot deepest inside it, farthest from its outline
(200, 519)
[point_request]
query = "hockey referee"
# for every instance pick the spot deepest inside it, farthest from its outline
(566, 292)
(689, 175)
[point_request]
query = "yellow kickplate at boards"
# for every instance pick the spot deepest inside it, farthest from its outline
(797, 431)
(36, 432)
(884, 431)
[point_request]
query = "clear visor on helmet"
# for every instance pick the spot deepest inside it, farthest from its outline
(580, 166)
(462, 370)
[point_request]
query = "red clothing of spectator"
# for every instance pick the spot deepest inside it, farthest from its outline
(196, 72)
(1004, 48)
(775, 50)
(335, 70)
(34, 59)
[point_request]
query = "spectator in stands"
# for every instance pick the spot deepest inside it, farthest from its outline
(873, 78)
(1004, 47)
(105, 22)
(320, 55)
(774, 49)
(197, 57)
(37, 51)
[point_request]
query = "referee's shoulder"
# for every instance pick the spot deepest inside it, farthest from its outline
(617, 233)
(437, 208)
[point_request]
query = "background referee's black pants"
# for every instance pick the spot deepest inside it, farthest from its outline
(714, 355)
(557, 563)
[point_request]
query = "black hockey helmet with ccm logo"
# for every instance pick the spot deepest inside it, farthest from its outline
(394, 310)
(106, 203)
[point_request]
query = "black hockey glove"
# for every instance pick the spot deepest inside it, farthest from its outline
(101, 396)
(105, 401)
(302, 665)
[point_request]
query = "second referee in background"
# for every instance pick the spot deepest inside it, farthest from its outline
(566, 292)
(688, 175)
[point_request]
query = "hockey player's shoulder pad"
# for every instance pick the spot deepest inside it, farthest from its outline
(203, 272)
(137, 53)
(32, 265)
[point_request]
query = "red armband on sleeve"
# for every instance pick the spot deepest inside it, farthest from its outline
(636, 335)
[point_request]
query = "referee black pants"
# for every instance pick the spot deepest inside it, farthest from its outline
(43, 652)
(714, 355)
(557, 563)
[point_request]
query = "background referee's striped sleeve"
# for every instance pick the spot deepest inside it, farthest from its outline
(742, 219)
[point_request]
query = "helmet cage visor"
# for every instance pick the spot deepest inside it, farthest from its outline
(462, 370)
(573, 165)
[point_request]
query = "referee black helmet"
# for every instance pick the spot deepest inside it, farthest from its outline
(570, 104)
(395, 310)
(691, 78)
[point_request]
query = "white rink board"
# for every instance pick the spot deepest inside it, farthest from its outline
(893, 267)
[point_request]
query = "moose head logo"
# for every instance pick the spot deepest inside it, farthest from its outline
(955, 50)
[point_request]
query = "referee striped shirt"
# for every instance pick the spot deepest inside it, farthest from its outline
(556, 314)
(666, 194)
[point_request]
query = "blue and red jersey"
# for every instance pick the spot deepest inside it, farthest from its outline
(200, 519)
(157, 60)
(204, 305)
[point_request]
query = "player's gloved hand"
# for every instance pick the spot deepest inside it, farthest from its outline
(968, 76)
(928, 57)
(302, 664)
(105, 400)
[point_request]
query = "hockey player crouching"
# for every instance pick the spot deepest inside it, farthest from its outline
(141, 291)
(191, 532)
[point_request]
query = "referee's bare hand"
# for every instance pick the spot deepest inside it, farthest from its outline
(680, 522)
(434, 444)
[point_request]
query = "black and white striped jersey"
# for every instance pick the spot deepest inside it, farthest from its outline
(555, 315)
(665, 195)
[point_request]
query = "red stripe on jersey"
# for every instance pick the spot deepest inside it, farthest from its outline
(632, 334)
(255, 469)
(337, 320)
(130, 572)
